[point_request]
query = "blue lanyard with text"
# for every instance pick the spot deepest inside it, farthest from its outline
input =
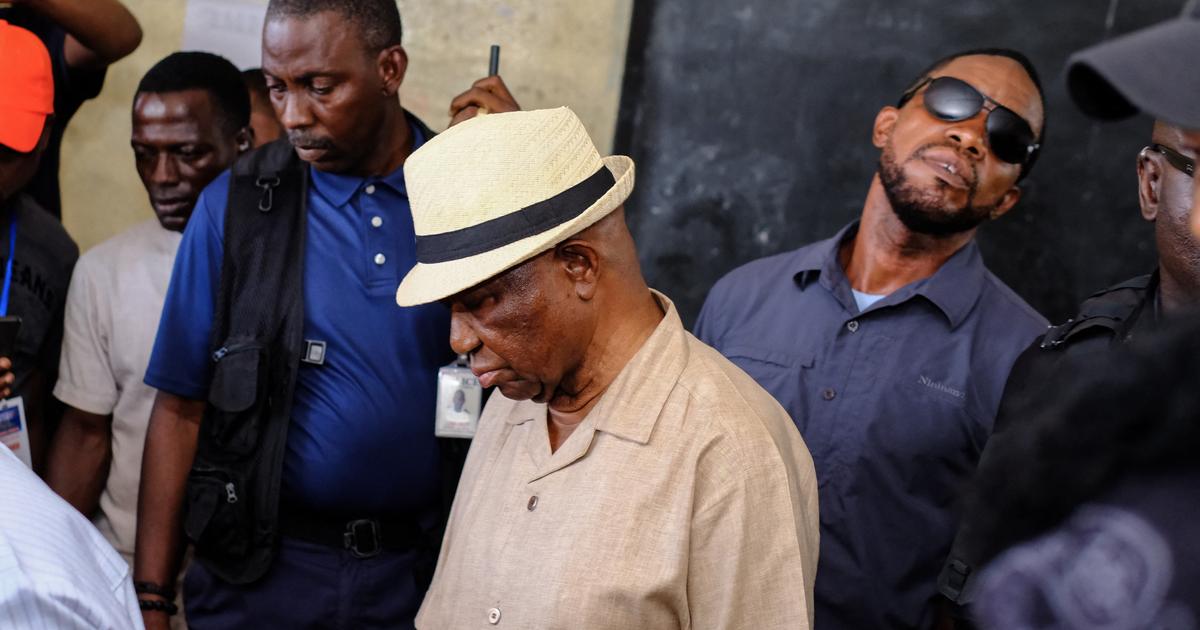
(12, 250)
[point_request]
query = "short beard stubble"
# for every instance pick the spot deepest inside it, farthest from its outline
(924, 211)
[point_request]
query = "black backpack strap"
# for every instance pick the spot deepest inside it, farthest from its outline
(233, 489)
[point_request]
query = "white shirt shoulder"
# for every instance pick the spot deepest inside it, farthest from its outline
(56, 570)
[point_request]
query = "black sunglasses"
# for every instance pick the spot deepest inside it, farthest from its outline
(1176, 159)
(1009, 137)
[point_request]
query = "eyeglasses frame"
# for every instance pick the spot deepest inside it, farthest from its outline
(1181, 162)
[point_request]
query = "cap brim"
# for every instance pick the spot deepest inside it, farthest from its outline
(21, 130)
(1151, 70)
(432, 282)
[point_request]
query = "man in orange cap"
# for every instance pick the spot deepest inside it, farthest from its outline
(37, 254)
(83, 37)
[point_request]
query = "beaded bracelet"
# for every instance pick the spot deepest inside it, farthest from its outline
(158, 604)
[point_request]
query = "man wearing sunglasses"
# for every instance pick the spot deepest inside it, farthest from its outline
(1110, 81)
(889, 344)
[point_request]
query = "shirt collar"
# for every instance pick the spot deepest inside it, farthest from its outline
(339, 189)
(954, 288)
(633, 402)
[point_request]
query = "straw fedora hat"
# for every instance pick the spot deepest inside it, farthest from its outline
(497, 190)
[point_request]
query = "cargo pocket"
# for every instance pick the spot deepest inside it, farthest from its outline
(236, 398)
(781, 374)
(218, 518)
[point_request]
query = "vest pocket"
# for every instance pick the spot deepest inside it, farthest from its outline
(218, 520)
(237, 397)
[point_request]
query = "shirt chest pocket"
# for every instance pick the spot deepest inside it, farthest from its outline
(782, 374)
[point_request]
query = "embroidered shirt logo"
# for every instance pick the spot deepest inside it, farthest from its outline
(941, 387)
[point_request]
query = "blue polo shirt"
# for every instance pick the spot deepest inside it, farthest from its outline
(894, 402)
(361, 438)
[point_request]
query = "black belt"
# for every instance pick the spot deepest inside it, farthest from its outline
(363, 537)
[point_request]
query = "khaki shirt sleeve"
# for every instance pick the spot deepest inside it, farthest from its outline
(747, 568)
(85, 375)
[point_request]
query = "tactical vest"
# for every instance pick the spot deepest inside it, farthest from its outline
(232, 502)
(1106, 317)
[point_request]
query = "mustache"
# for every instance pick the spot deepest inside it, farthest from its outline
(973, 181)
(302, 139)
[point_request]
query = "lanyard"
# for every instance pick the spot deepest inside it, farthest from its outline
(12, 250)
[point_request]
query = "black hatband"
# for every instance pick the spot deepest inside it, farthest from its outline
(510, 228)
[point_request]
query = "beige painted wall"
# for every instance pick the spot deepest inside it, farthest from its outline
(553, 52)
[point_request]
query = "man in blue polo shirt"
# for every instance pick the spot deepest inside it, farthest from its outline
(890, 343)
(360, 443)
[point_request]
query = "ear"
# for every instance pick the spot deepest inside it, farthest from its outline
(393, 63)
(885, 122)
(1149, 172)
(580, 262)
(244, 139)
(1006, 203)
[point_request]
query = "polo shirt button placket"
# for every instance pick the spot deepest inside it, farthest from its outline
(494, 616)
(380, 259)
(376, 222)
(852, 325)
(828, 393)
(370, 189)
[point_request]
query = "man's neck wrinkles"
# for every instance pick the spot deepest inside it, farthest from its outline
(885, 255)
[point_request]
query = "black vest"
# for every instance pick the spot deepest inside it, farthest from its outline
(233, 489)
(1039, 377)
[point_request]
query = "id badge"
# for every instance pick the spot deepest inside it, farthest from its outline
(458, 402)
(14, 432)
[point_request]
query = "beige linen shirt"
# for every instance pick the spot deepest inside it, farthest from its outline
(113, 305)
(685, 499)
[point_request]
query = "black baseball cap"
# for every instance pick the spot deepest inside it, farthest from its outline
(1155, 70)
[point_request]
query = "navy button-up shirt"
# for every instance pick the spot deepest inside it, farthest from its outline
(895, 404)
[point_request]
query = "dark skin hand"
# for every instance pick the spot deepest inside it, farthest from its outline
(488, 93)
(6, 377)
(170, 448)
(99, 32)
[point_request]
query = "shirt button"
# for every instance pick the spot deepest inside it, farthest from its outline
(380, 259)
(494, 616)
(376, 221)
(532, 503)
(828, 394)
(852, 326)
(370, 189)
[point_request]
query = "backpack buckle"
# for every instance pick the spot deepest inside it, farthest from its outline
(268, 185)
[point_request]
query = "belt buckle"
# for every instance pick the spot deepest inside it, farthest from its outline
(362, 538)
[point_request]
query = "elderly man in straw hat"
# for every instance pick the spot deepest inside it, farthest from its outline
(625, 475)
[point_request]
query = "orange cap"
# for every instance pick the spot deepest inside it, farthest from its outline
(26, 88)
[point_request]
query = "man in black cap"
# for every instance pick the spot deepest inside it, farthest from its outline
(1110, 81)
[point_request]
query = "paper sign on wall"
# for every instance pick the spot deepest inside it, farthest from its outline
(230, 28)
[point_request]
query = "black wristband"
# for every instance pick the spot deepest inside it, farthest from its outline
(160, 605)
(152, 588)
